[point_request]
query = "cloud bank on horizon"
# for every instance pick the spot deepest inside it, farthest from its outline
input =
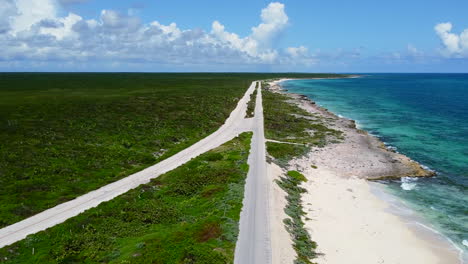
(34, 32)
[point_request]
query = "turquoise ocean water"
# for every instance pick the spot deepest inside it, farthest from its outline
(424, 116)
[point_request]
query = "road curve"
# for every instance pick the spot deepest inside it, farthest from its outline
(234, 125)
(254, 241)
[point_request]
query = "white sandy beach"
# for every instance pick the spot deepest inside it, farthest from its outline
(351, 225)
(344, 216)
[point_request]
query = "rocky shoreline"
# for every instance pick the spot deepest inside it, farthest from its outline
(359, 154)
(344, 216)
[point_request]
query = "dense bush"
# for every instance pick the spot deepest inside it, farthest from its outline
(65, 134)
(188, 215)
(251, 104)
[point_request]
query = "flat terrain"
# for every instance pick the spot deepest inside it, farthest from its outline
(291, 132)
(65, 134)
(339, 204)
(232, 127)
(256, 210)
(188, 215)
(254, 243)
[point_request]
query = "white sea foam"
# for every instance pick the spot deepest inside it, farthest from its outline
(340, 116)
(399, 207)
(426, 167)
(461, 253)
(390, 147)
(408, 183)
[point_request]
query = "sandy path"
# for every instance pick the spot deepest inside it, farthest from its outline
(263, 238)
(234, 125)
(254, 241)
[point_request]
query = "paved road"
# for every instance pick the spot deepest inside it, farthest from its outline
(234, 125)
(254, 242)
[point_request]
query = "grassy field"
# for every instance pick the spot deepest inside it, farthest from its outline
(189, 215)
(65, 134)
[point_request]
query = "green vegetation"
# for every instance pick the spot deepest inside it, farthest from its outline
(297, 131)
(251, 104)
(287, 122)
(304, 246)
(283, 152)
(65, 134)
(188, 215)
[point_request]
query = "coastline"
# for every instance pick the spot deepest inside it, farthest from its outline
(361, 154)
(348, 220)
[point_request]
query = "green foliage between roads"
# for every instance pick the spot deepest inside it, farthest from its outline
(304, 246)
(65, 134)
(188, 215)
(251, 104)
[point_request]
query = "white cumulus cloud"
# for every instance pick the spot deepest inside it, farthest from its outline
(259, 43)
(32, 31)
(274, 21)
(30, 12)
(453, 45)
(297, 51)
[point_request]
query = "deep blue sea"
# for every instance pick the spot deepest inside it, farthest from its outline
(424, 116)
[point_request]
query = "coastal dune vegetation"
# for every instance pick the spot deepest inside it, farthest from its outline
(302, 242)
(292, 132)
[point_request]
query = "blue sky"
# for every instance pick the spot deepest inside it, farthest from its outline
(176, 35)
